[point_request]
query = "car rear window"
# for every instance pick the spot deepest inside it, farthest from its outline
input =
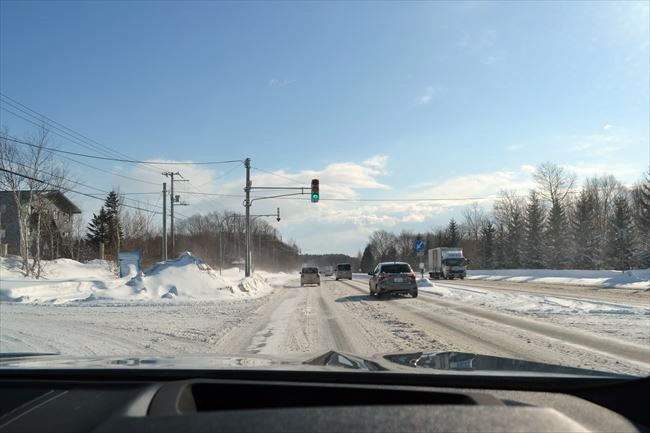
(343, 267)
(309, 270)
(396, 268)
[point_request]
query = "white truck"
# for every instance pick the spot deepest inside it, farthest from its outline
(447, 263)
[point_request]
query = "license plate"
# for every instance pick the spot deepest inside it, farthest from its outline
(398, 280)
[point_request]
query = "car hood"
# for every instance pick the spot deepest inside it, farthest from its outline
(417, 362)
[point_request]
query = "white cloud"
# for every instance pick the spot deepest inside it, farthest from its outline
(378, 162)
(597, 145)
(607, 127)
(514, 147)
(527, 168)
(425, 98)
(430, 92)
(274, 82)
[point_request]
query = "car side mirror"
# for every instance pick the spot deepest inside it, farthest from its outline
(370, 273)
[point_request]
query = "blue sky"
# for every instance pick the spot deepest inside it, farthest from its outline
(376, 99)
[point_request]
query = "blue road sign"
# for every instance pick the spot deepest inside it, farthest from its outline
(419, 245)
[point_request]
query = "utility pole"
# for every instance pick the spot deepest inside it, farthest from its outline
(173, 200)
(247, 204)
(164, 228)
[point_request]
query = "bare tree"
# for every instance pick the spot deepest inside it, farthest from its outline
(30, 173)
(475, 218)
(554, 182)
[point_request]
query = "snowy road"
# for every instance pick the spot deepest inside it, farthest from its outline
(303, 321)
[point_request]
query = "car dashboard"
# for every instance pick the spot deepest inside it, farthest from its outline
(140, 400)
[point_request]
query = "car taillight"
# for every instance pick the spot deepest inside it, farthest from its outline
(382, 277)
(411, 276)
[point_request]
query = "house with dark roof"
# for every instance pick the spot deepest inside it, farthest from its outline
(56, 213)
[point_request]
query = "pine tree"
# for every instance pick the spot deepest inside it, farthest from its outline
(534, 229)
(500, 261)
(98, 228)
(641, 201)
(487, 245)
(453, 235)
(367, 260)
(391, 254)
(556, 254)
(114, 226)
(583, 227)
(620, 239)
(515, 239)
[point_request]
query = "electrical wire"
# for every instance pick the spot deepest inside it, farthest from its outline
(278, 175)
(71, 190)
(132, 161)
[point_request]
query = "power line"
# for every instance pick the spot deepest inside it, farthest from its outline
(211, 194)
(278, 175)
(71, 190)
(110, 172)
(83, 184)
(83, 141)
(132, 161)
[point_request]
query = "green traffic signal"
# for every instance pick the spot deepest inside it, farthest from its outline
(315, 191)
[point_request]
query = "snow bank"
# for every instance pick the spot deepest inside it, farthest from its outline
(638, 279)
(187, 278)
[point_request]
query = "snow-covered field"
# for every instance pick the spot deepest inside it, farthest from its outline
(638, 279)
(184, 279)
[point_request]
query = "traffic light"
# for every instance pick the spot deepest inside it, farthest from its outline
(315, 195)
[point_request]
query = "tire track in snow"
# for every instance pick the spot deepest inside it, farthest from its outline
(482, 331)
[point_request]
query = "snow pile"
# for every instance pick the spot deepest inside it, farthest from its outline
(638, 279)
(186, 279)
(429, 286)
(534, 304)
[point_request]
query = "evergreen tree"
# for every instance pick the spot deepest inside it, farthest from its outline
(487, 245)
(515, 239)
(584, 226)
(367, 260)
(620, 239)
(556, 254)
(641, 201)
(391, 254)
(453, 234)
(114, 226)
(98, 228)
(499, 255)
(534, 228)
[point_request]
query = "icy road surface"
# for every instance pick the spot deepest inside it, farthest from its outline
(593, 329)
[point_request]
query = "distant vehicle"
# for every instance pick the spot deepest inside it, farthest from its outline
(447, 263)
(393, 277)
(309, 275)
(329, 271)
(343, 271)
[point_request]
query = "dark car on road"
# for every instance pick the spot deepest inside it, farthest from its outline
(393, 277)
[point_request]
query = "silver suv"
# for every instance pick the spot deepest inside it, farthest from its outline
(309, 275)
(343, 271)
(393, 277)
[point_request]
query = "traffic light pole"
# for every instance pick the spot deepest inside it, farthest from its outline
(248, 202)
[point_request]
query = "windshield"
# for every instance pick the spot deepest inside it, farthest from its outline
(395, 269)
(454, 262)
(174, 174)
